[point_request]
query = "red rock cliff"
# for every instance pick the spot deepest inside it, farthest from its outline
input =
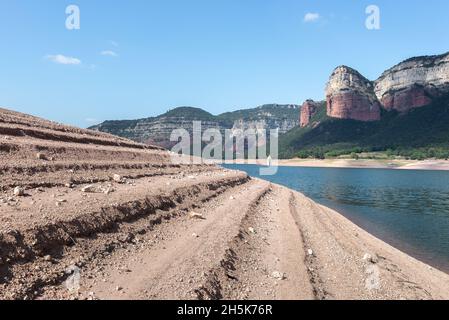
(413, 83)
(349, 95)
(308, 110)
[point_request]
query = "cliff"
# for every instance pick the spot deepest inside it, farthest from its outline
(308, 110)
(411, 84)
(350, 95)
(157, 130)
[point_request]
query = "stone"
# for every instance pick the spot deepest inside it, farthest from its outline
(89, 189)
(278, 275)
(19, 191)
(118, 178)
(127, 238)
(41, 156)
(195, 215)
(371, 258)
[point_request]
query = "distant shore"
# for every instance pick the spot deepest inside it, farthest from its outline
(357, 164)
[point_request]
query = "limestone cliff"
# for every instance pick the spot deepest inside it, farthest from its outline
(350, 95)
(157, 130)
(413, 83)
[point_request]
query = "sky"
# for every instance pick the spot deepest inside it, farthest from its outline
(139, 58)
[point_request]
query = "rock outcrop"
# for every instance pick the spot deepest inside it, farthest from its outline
(350, 95)
(157, 130)
(413, 83)
(308, 110)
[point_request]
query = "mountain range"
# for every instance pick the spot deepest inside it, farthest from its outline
(405, 112)
(157, 130)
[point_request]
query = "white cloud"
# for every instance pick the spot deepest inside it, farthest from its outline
(311, 17)
(61, 59)
(109, 53)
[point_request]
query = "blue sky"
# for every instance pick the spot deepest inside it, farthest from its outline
(134, 59)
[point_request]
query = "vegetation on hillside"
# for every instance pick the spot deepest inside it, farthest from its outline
(420, 134)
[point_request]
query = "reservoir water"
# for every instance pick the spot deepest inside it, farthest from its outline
(407, 209)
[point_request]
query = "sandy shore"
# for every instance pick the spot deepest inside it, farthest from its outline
(360, 164)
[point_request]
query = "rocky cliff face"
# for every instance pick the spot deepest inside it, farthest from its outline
(350, 95)
(413, 83)
(157, 130)
(308, 110)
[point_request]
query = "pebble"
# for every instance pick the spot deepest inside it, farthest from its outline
(118, 178)
(278, 275)
(88, 189)
(19, 191)
(194, 215)
(41, 156)
(371, 258)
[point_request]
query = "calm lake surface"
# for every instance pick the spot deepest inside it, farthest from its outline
(407, 209)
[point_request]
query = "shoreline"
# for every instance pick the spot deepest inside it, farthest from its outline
(425, 165)
(335, 237)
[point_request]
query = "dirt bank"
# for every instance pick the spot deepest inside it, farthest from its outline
(92, 216)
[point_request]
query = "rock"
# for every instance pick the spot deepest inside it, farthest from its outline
(413, 83)
(195, 215)
(308, 110)
(41, 156)
(278, 275)
(127, 238)
(350, 95)
(89, 189)
(47, 258)
(157, 130)
(118, 178)
(251, 230)
(118, 288)
(371, 258)
(108, 190)
(404, 100)
(310, 252)
(195, 235)
(19, 191)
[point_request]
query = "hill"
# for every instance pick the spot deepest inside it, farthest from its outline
(157, 130)
(419, 134)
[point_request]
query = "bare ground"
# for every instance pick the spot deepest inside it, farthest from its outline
(100, 217)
